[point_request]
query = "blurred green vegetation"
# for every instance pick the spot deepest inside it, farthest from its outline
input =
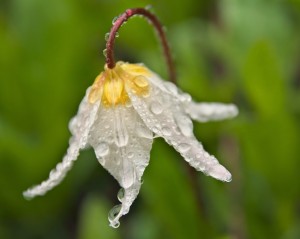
(241, 51)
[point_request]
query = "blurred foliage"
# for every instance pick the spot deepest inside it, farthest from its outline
(241, 51)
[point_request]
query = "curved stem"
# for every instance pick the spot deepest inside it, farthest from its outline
(110, 62)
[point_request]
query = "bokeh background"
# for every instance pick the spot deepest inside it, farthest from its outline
(241, 51)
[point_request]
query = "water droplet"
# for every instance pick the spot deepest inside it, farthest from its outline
(130, 155)
(141, 81)
(121, 194)
(185, 125)
(166, 131)
(117, 34)
(114, 20)
(144, 132)
(102, 149)
(101, 160)
(171, 87)
(113, 214)
(156, 108)
(148, 7)
(183, 147)
(106, 37)
(187, 98)
(155, 129)
(146, 94)
(128, 103)
(105, 52)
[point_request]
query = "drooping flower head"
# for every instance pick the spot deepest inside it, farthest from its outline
(126, 107)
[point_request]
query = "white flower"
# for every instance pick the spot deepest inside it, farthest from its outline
(120, 115)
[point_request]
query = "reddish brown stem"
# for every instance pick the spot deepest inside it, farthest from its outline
(110, 62)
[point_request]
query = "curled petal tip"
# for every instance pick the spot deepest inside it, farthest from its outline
(221, 173)
(27, 195)
(234, 110)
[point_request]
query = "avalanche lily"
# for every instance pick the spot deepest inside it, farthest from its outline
(126, 107)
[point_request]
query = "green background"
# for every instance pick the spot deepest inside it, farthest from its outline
(241, 51)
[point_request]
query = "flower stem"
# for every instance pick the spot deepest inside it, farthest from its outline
(110, 62)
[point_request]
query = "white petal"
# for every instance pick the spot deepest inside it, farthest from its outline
(177, 133)
(81, 123)
(122, 144)
(204, 112)
(80, 126)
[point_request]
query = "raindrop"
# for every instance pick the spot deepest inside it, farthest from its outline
(105, 52)
(114, 20)
(130, 155)
(128, 103)
(117, 34)
(148, 7)
(185, 125)
(166, 131)
(171, 87)
(101, 160)
(121, 194)
(146, 94)
(144, 132)
(156, 108)
(102, 149)
(141, 81)
(183, 147)
(186, 97)
(106, 37)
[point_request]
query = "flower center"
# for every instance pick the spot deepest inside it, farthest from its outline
(110, 85)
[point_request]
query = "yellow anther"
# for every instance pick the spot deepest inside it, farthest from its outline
(109, 86)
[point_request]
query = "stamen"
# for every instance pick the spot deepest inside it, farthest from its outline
(118, 22)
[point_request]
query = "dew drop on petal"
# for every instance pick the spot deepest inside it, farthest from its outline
(144, 132)
(141, 81)
(183, 147)
(171, 87)
(121, 194)
(128, 103)
(185, 125)
(102, 149)
(186, 97)
(130, 155)
(166, 131)
(156, 108)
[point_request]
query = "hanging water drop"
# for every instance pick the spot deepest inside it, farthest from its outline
(114, 20)
(117, 34)
(106, 37)
(121, 194)
(149, 7)
(114, 214)
(105, 52)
